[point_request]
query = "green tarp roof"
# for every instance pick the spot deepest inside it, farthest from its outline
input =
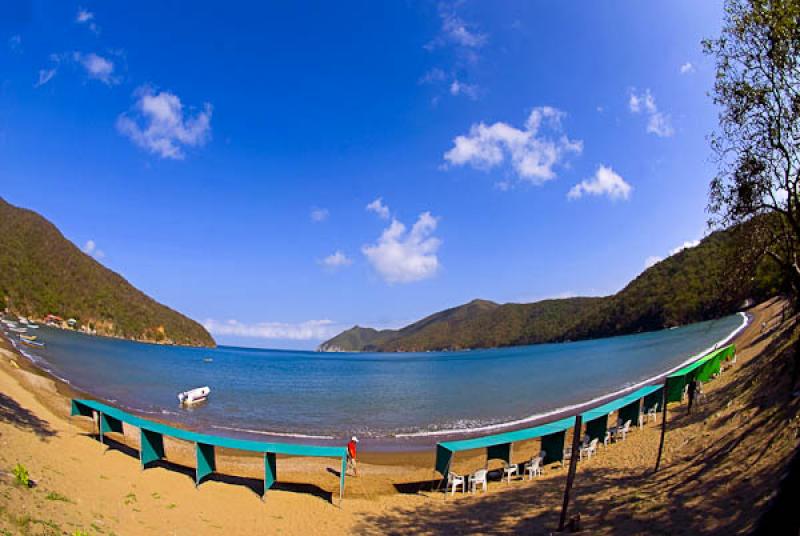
(692, 366)
(509, 437)
(618, 403)
(225, 442)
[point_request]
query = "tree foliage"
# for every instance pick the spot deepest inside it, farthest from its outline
(757, 144)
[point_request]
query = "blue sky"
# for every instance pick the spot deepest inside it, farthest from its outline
(285, 170)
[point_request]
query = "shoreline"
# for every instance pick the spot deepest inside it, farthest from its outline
(407, 443)
(720, 466)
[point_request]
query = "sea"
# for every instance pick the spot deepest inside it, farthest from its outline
(391, 398)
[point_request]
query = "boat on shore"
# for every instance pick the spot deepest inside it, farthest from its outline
(34, 344)
(19, 330)
(194, 396)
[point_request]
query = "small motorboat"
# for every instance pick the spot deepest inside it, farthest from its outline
(27, 337)
(35, 344)
(19, 330)
(193, 396)
(207, 360)
(33, 326)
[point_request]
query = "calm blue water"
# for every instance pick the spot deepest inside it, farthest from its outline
(373, 395)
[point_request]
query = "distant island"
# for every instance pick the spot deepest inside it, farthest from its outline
(713, 279)
(45, 277)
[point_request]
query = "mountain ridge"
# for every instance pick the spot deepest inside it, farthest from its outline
(43, 273)
(699, 283)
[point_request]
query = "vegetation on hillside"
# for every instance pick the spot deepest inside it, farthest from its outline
(708, 281)
(43, 273)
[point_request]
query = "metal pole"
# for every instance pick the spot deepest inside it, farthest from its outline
(663, 425)
(573, 462)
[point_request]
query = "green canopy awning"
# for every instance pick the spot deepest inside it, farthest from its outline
(614, 405)
(702, 369)
(499, 445)
(152, 434)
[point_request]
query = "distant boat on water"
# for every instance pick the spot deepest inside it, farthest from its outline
(194, 396)
(35, 344)
(207, 360)
(19, 330)
(28, 337)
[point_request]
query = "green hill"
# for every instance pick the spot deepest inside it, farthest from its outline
(43, 273)
(710, 280)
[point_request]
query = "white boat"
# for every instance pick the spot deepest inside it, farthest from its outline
(19, 330)
(9, 323)
(193, 396)
(32, 326)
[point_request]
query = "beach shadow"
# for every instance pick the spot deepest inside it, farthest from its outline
(256, 485)
(14, 414)
(334, 472)
(416, 488)
(306, 489)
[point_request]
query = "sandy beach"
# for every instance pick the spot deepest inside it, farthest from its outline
(721, 466)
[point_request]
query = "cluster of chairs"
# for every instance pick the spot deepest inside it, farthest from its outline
(535, 466)
(480, 478)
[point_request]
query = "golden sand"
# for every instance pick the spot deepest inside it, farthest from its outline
(721, 466)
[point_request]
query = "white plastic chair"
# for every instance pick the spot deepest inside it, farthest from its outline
(453, 481)
(652, 413)
(607, 438)
(510, 469)
(588, 450)
(622, 432)
(534, 467)
(478, 478)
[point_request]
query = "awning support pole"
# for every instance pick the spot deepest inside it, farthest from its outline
(573, 463)
(663, 426)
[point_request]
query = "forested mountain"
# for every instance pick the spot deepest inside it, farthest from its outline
(42, 273)
(710, 280)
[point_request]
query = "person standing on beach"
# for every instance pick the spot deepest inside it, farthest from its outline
(351, 454)
(691, 391)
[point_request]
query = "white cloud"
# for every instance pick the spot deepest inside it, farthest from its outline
(462, 88)
(158, 124)
(319, 214)
(337, 260)
(83, 16)
(687, 68)
(456, 31)
(86, 18)
(604, 182)
(652, 260)
(658, 123)
(97, 67)
(686, 245)
(433, 76)
(403, 257)
(379, 208)
(302, 331)
(90, 248)
(532, 154)
(45, 75)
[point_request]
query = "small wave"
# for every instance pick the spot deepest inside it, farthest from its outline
(572, 408)
(275, 434)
